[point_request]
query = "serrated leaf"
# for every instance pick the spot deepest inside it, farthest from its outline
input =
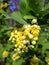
(18, 18)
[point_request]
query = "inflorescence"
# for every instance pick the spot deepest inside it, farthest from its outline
(24, 38)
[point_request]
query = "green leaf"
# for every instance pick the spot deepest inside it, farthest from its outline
(18, 62)
(43, 40)
(9, 45)
(6, 15)
(24, 8)
(1, 50)
(41, 4)
(28, 17)
(46, 6)
(5, 28)
(42, 14)
(18, 17)
(36, 5)
(41, 62)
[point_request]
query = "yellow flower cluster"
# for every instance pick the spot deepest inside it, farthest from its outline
(5, 54)
(47, 60)
(3, 6)
(15, 57)
(34, 60)
(25, 38)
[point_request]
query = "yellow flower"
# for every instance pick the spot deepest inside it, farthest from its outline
(34, 21)
(12, 34)
(25, 41)
(31, 46)
(30, 36)
(15, 49)
(15, 57)
(47, 58)
(35, 38)
(23, 37)
(5, 5)
(13, 39)
(25, 26)
(19, 43)
(1, 5)
(18, 50)
(33, 42)
(15, 45)
(15, 31)
(5, 54)
(35, 27)
(26, 32)
(34, 60)
(48, 63)
(38, 27)
(19, 34)
(35, 33)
